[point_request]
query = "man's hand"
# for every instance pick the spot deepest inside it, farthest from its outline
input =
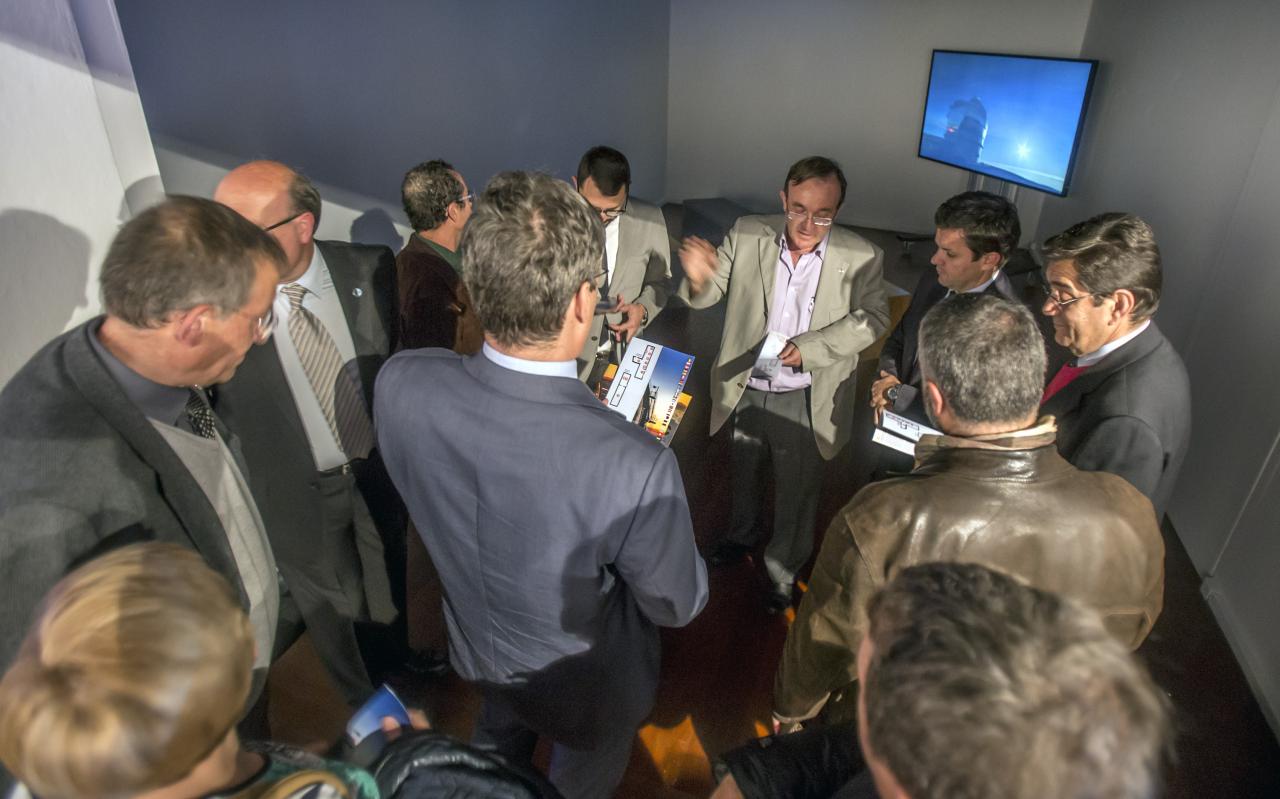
(700, 262)
(632, 316)
(878, 400)
(790, 356)
(781, 727)
(417, 721)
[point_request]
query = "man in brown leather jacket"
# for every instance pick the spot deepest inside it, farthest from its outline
(993, 490)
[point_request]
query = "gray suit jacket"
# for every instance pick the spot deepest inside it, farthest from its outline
(83, 472)
(1129, 414)
(258, 405)
(640, 273)
(560, 531)
(850, 312)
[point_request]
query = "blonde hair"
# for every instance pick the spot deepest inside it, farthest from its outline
(136, 669)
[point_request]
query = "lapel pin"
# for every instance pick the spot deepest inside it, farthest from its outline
(357, 292)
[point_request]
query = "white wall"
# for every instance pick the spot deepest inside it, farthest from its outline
(1185, 132)
(756, 85)
(76, 163)
(355, 94)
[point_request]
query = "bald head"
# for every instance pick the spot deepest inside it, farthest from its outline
(279, 200)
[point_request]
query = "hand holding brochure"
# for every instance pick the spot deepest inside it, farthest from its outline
(900, 433)
(647, 387)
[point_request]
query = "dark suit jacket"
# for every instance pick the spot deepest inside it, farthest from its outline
(560, 531)
(258, 405)
(434, 306)
(1129, 414)
(900, 356)
(82, 472)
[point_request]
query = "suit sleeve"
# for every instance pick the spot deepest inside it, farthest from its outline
(384, 280)
(855, 331)
(1124, 446)
(891, 355)
(821, 652)
(719, 283)
(658, 559)
(657, 274)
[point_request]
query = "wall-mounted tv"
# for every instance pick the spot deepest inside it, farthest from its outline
(1015, 118)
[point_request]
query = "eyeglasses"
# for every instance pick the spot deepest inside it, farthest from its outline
(820, 221)
(595, 279)
(283, 222)
(1054, 295)
(467, 198)
(609, 214)
(264, 325)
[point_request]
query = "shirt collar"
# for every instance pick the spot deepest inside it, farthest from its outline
(1111, 346)
(316, 280)
(444, 252)
(819, 251)
(157, 401)
(545, 368)
(984, 286)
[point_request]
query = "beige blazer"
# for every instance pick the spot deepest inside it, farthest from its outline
(850, 312)
(640, 274)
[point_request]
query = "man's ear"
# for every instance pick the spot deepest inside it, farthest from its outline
(583, 306)
(306, 227)
(188, 326)
(933, 399)
(990, 260)
(1124, 304)
(782, 198)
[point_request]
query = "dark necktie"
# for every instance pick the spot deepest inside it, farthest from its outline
(339, 396)
(200, 415)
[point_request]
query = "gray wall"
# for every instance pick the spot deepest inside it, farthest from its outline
(356, 93)
(76, 162)
(1186, 133)
(756, 85)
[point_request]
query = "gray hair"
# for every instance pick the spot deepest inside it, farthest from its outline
(986, 356)
(979, 686)
(184, 252)
(531, 242)
(427, 192)
(1112, 251)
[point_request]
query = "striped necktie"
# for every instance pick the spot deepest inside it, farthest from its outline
(339, 395)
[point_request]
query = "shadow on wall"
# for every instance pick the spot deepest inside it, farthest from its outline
(375, 227)
(44, 282)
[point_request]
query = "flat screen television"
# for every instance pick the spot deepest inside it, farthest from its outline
(1012, 117)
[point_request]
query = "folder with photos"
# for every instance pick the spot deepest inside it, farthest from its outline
(647, 387)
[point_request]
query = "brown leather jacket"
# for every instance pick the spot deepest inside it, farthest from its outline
(1009, 502)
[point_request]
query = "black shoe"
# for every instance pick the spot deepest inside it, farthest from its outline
(726, 553)
(779, 598)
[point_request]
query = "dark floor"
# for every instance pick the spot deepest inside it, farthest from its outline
(718, 672)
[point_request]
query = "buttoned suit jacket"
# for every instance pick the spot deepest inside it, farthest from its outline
(258, 404)
(1129, 414)
(850, 311)
(560, 531)
(641, 272)
(84, 472)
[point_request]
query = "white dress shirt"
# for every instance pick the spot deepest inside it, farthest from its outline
(611, 251)
(1111, 346)
(321, 300)
(567, 369)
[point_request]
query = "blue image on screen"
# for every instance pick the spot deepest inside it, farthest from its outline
(1012, 117)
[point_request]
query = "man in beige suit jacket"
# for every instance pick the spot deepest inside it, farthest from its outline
(637, 259)
(805, 297)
